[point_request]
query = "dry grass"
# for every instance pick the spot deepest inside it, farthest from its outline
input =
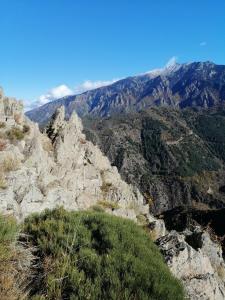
(108, 204)
(2, 125)
(106, 186)
(134, 206)
(2, 135)
(47, 145)
(9, 164)
(17, 118)
(153, 234)
(148, 198)
(3, 184)
(15, 261)
(97, 208)
(221, 272)
(15, 134)
(3, 145)
(142, 220)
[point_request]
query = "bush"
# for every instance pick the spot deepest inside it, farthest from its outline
(15, 134)
(91, 255)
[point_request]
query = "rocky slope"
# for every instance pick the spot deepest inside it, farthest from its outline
(198, 84)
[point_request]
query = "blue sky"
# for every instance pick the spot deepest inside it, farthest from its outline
(77, 44)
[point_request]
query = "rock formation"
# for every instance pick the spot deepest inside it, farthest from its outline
(195, 259)
(11, 110)
(61, 168)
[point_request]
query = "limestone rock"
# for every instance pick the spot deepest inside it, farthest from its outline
(11, 110)
(62, 168)
(197, 261)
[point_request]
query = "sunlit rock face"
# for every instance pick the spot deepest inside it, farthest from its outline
(60, 168)
(195, 259)
(11, 110)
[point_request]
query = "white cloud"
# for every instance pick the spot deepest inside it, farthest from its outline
(156, 72)
(91, 85)
(63, 90)
(55, 93)
(202, 44)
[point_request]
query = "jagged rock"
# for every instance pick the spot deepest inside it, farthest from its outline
(61, 168)
(197, 261)
(11, 110)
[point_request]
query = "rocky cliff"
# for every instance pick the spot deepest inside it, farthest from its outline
(195, 259)
(60, 167)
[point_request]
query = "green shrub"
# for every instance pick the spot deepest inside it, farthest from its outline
(92, 255)
(15, 134)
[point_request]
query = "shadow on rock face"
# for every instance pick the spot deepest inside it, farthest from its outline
(181, 218)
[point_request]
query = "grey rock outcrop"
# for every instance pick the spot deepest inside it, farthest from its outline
(11, 110)
(195, 259)
(61, 168)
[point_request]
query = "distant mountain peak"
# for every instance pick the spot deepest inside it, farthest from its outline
(197, 84)
(170, 67)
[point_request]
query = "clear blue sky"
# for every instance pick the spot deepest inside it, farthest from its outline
(46, 43)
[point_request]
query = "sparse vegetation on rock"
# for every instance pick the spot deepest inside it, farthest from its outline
(15, 134)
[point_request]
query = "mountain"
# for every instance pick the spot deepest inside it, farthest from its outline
(61, 167)
(198, 84)
(175, 157)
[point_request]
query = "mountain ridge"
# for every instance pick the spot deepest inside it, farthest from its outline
(197, 84)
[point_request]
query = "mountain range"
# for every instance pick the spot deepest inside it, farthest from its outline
(197, 84)
(175, 157)
(163, 135)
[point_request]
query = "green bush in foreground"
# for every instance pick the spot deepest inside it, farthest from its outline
(92, 255)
